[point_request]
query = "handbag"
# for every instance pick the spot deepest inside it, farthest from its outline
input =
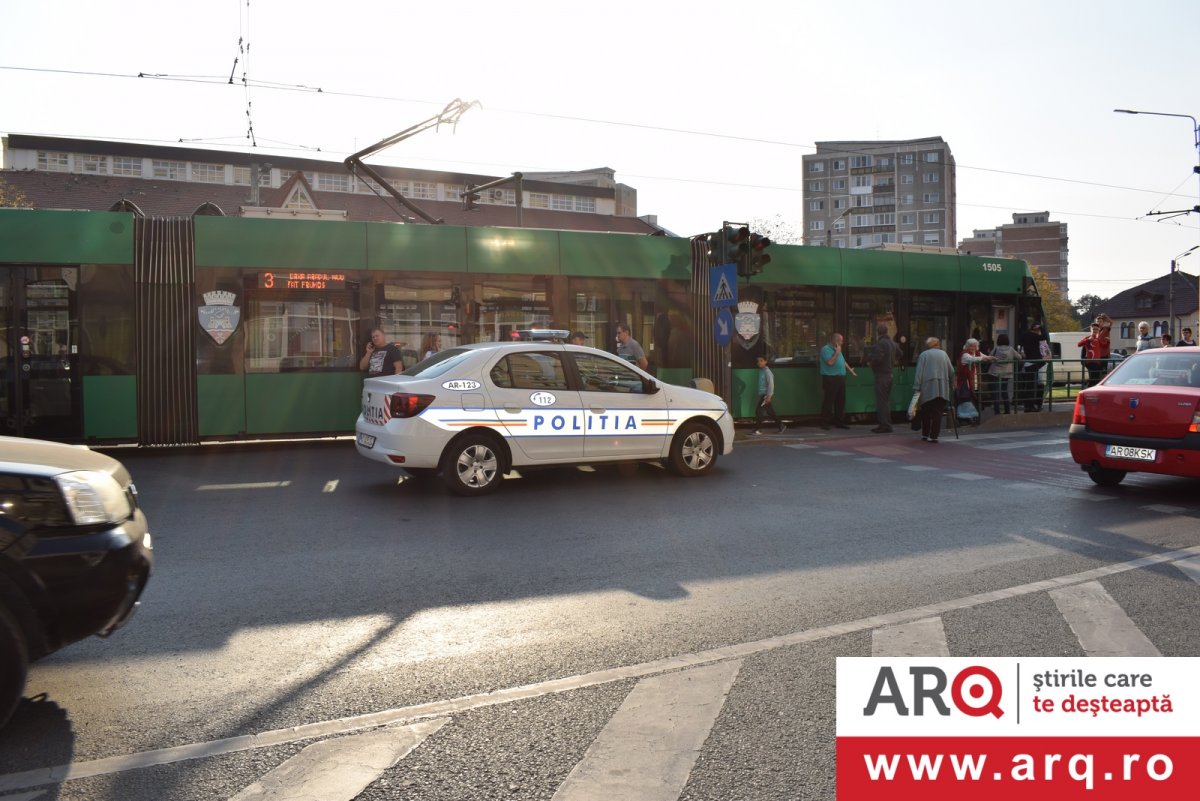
(914, 404)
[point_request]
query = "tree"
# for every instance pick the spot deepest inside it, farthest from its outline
(1086, 308)
(11, 197)
(777, 230)
(1060, 315)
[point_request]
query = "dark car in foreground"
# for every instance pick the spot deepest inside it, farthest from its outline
(1144, 417)
(75, 553)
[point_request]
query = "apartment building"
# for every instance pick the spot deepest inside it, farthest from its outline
(1031, 236)
(172, 181)
(870, 194)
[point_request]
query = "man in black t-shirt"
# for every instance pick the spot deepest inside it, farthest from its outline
(381, 357)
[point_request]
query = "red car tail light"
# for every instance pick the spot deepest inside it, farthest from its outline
(1080, 415)
(1194, 428)
(407, 404)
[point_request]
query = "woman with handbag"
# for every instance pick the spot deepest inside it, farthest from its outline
(934, 380)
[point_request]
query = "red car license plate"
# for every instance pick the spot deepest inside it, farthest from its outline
(1126, 452)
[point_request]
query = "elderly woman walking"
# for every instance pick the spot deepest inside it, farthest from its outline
(934, 378)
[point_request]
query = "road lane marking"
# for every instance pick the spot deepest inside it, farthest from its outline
(917, 468)
(252, 485)
(330, 486)
(925, 637)
(967, 476)
(341, 768)
(1007, 446)
(649, 746)
(1053, 455)
(449, 706)
(1099, 622)
(1165, 509)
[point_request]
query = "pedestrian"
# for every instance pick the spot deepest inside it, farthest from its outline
(882, 359)
(1003, 368)
(1096, 346)
(833, 384)
(628, 347)
(579, 338)
(431, 343)
(1187, 340)
(934, 378)
(1029, 346)
(1144, 340)
(766, 396)
(1166, 341)
(969, 362)
(381, 357)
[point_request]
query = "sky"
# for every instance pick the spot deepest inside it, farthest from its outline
(705, 108)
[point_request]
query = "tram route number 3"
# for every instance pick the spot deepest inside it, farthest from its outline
(301, 280)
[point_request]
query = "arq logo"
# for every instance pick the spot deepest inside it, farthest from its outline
(975, 691)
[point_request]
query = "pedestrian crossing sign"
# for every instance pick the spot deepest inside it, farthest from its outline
(722, 285)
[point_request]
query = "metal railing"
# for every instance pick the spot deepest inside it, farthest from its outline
(1038, 384)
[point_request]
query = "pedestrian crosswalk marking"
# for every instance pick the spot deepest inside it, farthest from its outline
(341, 768)
(967, 476)
(1053, 455)
(1165, 509)
(647, 749)
(1099, 622)
(1008, 446)
(1190, 568)
(918, 468)
(925, 637)
(875, 460)
(165, 756)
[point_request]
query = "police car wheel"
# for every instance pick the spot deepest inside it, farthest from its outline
(472, 465)
(693, 450)
(14, 663)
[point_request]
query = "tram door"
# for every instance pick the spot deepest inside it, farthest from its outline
(39, 351)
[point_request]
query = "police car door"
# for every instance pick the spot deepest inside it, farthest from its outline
(621, 419)
(540, 415)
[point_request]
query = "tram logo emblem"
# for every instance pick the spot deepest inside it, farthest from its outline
(748, 323)
(219, 317)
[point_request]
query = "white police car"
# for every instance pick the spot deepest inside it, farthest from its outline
(475, 411)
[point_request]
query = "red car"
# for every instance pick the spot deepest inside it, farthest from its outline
(1144, 417)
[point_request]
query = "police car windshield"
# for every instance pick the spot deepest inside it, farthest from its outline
(438, 364)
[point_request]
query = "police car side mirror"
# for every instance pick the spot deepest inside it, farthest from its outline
(650, 386)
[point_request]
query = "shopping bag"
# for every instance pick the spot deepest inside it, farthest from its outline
(967, 411)
(914, 404)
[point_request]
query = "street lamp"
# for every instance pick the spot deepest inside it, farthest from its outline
(1196, 169)
(1171, 291)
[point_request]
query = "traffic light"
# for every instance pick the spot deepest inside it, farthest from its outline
(737, 247)
(470, 198)
(758, 258)
(716, 248)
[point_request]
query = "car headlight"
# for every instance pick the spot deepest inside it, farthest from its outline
(93, 497)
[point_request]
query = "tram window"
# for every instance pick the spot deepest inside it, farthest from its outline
(301, 331)
(591, 301)
(799, 323)
(505, 307)
(866, 311)
(411, 308)
(929, 316)
(106, 324)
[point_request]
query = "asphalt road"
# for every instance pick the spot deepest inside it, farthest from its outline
(301, 596)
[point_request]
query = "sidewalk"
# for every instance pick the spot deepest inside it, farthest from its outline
(803, 430)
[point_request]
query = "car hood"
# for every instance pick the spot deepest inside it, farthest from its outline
(1142, 411)
(45, 458)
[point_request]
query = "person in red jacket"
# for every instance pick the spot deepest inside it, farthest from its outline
(1096, 348)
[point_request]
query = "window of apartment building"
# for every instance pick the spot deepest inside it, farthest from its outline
(841, 203)
(861, 220)
(932, 197)
(885, 200)
(838, 183)
(883, 161)
(208, 173)
(931, 178)
(562, 203)
(906, 159)
(538, 200)
(862, 181)
(839, 224)
(332, 182)
(906, 179)
(906, 239)
(91, 165)
(863, 201)
(284, 177)
(170, 170)
(816, 186)
(933, 239)
(932, 158)
(932, 218)
(587, 204)
(423, 190)
(860, 161)
(839, 164)
(906, 200)
(816, 166)
(453, 192)
(816, 205)
(816, 225)
(241, 176)
(839, 243)
(124, 165)
(906, 219)
(53, 162)
(885, 219)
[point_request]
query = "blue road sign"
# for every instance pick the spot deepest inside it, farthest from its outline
(722, 285)
(723, 327)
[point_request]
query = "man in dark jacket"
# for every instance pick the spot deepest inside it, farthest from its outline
(881, 360)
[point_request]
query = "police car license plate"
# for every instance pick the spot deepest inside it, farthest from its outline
(1126, 452)
(366, 440)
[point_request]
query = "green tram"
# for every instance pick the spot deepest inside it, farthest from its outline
(119, 329)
